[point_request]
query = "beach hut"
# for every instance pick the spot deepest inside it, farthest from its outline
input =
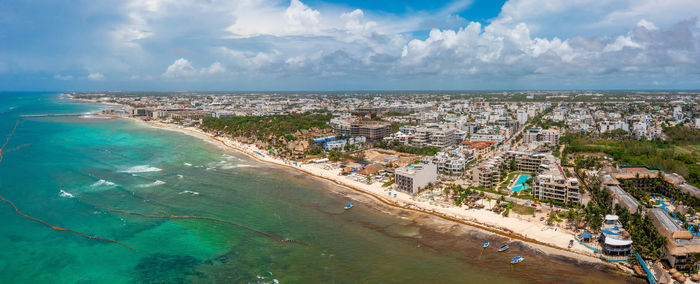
(695, 277)
(371, 169)
(346, 171)
(586, 237)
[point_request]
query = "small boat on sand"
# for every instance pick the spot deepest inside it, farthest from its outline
(503, 248)
(486, 244)
(517, 259)
(348, 206)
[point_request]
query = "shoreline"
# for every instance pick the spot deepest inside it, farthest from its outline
(470, 218)
(250, 151)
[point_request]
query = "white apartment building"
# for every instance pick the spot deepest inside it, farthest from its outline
(553, 184)
(410, 179)
(608, 125)
(536, 134)
(436, 137)
(522, 116)
(678, 113)
(451, 164)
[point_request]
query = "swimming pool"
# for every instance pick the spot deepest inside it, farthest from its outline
(520, 183)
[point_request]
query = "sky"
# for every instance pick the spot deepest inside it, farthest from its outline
(288, 45)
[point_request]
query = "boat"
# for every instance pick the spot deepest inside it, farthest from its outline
(486, 244)
(517, 259)
(348, 206)
(503, 248)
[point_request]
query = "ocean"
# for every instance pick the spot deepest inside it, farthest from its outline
(71, 171)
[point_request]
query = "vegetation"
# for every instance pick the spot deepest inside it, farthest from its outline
(667, 155)
(263, 126)
(646, 240)
(508, 207)
(551, 123)
(523, 210)
(395, 113)
(424, 151)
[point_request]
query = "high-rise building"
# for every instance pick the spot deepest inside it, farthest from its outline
(522, 116)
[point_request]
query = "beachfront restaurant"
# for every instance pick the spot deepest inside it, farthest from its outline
(614, 240)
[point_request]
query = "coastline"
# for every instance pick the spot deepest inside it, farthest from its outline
(403, 201)
(529, 233)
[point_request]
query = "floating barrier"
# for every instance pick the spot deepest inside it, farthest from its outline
(2, 149)
(42, 221)
(211, 219)
(60, 228)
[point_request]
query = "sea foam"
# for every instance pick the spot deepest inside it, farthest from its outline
(142, 169)
(63, 193)
(190, 192)
(155, 183)
(103, 182)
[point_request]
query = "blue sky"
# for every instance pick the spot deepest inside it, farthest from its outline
(349, 45)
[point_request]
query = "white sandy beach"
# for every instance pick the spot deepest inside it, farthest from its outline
(524, 228)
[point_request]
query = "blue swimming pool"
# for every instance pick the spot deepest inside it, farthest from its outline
(520, 183)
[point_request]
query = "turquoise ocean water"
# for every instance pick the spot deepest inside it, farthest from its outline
(70, 172)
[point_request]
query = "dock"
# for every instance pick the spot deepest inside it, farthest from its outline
(53, 115)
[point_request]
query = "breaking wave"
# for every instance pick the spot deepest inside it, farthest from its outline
(142, 169)
(63, 193)
(155, 183)
(103, 182)
(190, 192)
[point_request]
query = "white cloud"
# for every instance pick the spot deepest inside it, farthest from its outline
(620, 43)
(180, 68)
(96, 76)
(183, 68)
(263, 40)
(647, 25)
(214, 68)
(302, 18)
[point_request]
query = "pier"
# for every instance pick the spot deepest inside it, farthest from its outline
(53, 115)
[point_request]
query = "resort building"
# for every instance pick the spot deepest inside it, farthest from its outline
(341, 125)
(622, 198)
(372, 130)
(552, 183)
(432, 136)
(411, 178)
(654, 180)
(681, 244)
(449, 163)
(488, 174)
(529, 161)
(614, 240)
